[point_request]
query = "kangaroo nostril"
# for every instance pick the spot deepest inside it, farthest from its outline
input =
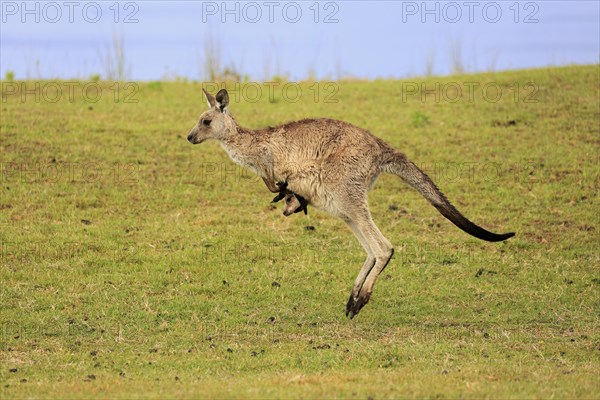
(190, 137)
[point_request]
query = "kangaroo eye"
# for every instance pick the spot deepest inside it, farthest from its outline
(206, 122)
(289, 199)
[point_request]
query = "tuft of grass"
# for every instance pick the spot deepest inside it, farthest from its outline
(114, 60)
(134, 264)
(419, 119)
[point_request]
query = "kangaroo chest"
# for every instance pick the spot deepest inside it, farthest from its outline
(251, 158)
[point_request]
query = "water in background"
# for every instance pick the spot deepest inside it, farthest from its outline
(296, 40)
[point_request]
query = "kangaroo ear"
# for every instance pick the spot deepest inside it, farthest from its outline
(223, 101)
(210, 99)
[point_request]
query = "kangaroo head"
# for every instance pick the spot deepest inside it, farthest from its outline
(292, 205)
(216, 123)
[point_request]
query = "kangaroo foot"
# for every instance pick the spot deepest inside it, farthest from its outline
(303, 205)
(280, 196)
(354, 305)
(282, 192)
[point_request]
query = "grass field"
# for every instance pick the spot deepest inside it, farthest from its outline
(135, 265)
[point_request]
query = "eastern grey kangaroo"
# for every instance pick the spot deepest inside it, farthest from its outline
(293, 204)
(332, 164)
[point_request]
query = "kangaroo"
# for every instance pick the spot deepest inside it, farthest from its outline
(293, 203)
(332, 164)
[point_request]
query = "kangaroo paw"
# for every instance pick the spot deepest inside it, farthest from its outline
(282, 192)
(303, 204)
(302, 207)
(354, 305)
(281, 185)
(279, 197)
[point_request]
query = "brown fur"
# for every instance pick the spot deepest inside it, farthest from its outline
(332, 164)
(292, 204)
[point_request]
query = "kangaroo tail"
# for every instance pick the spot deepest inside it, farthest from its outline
(411, 174)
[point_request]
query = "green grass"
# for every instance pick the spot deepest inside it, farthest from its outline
(137, 265)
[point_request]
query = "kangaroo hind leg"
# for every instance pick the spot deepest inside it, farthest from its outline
(365, 269)
(379, 251)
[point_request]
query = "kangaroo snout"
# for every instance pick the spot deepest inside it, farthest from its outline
(192, 136)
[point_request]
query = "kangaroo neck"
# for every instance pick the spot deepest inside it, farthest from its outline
(243, 141)
(249, 149)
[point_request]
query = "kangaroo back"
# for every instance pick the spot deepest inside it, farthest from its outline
(411, 174)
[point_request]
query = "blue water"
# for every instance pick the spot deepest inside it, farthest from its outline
(355, 38)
